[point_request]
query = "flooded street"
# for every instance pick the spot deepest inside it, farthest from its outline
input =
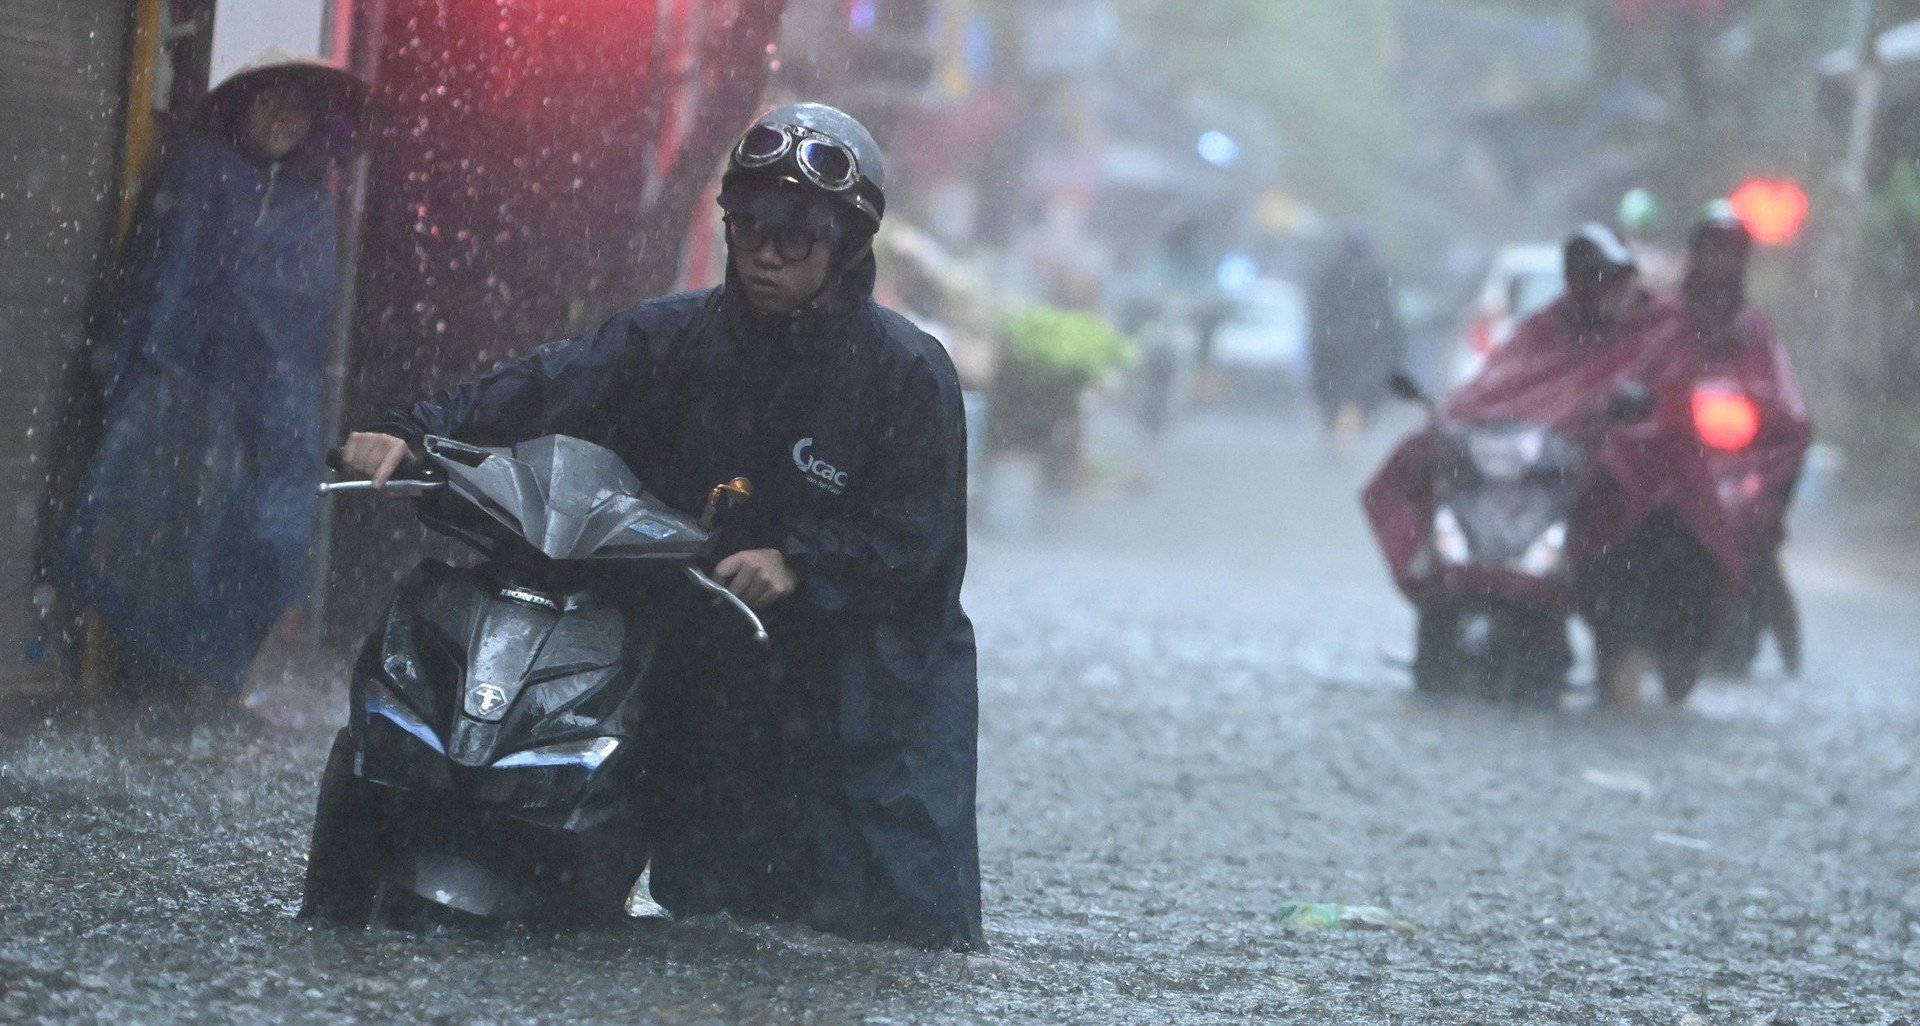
(1183, 726)
(1189, 271)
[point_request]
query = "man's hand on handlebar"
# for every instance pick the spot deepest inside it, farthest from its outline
(375, 455)
(759, 577)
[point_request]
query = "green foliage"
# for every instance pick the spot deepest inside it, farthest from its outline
(1734, 113)
(1892, 231)
(1061, 341)
(1885, 396)
(1049, 357)
(1881, 437)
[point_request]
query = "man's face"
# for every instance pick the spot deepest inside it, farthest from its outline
(1602, 303)
(774, 283)
(1716, 262)
(278, 120)
(1614, 297)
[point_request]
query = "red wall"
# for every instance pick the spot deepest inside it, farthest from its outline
(536, 168)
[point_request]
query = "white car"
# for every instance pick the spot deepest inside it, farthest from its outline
(1522, 279)
(1265, 334)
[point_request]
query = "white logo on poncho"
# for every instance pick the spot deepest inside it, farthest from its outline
(818, 471)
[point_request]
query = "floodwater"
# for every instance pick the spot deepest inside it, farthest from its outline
(1190, 715)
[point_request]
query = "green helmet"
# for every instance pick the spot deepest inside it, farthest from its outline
(1638, 210)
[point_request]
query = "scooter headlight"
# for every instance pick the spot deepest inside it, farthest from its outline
(1544, 556)
(588, 754)
(383, 704)
(1449, 538)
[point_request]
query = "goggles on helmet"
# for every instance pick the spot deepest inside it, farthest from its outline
(793, 242)
(819, 159)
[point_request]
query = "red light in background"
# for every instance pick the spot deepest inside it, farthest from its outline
(1773, 209)
(1480, 333)
(1727, 421)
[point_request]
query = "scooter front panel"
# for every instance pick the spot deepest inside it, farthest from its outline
(500, 654)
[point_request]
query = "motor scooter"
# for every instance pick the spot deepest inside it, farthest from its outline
(1493, 570)
(489, 767)
(1727, 421)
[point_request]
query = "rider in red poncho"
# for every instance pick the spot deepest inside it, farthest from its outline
(1563, 369)
(1680, 512)
(1710, 473)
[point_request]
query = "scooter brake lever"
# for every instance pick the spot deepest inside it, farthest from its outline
(706, 583)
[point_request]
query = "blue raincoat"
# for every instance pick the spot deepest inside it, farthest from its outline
(833, 784)
(191, 529)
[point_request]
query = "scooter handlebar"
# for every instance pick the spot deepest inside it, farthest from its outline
(395, 487)
(708, 584)
(426, 482)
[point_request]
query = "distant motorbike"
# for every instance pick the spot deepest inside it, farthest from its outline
(1727, 421)
(1494, 569)
(489, 762)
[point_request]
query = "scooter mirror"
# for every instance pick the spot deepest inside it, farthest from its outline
(733, 492)
(1403, 385)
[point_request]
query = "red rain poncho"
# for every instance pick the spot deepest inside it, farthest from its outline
(1551, 374)
(1732, 499)
(1725, 443)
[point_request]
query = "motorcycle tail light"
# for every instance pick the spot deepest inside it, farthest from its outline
(1725, 420)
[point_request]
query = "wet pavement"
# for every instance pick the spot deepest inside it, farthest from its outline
(1191, 714)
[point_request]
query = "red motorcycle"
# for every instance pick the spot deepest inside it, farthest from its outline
(1752, 495)
(1492, 571)
(1484, 517)
(1687, 561)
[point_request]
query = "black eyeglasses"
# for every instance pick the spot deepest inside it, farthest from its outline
(792, 242)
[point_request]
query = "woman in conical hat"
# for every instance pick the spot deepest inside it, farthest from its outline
(189, 536)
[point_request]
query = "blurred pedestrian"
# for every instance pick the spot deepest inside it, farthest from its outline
(189, 535)
(1166, 337)
(1357, 338)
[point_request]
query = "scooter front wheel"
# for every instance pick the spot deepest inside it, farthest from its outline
(1498, 652)
(342, 873)
(1437, 667)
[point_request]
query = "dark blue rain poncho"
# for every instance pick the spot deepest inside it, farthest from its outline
(190, 533)
(834, 783)
(1357, 335)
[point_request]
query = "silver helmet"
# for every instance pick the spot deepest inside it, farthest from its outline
(815, 146)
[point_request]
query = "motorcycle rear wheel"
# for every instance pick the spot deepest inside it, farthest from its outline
(1766, 607)
(1736, 645)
